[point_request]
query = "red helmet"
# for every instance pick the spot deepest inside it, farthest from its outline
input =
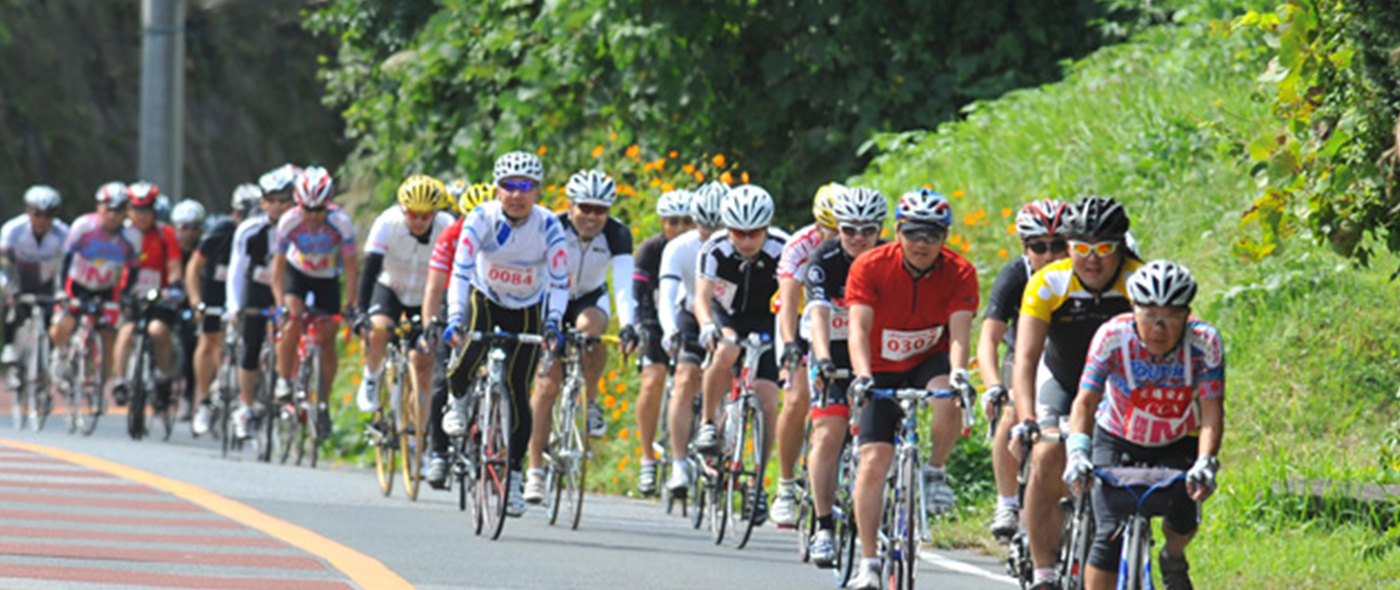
(142, 194)
(314, 187)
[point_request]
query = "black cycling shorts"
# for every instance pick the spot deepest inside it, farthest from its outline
(596, 298)
(254, 332)
(326, 291)
(386, 303)
(879, 420)
(1113, 506)
(211, 293)
(652, 353)
(688, 329)
(761, 323)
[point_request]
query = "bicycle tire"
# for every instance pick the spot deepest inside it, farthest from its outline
(286, 421)
(907, 523)
(222, 425)
(1137, 543)
(754, 472)
(715, 486)
(1078, 538)
(266, 397)
(19, 407)
(411, 436)
(556, 453)
(136, 392)
(169, 407)
(313, 410)
(843, 511)
(494, 463)
(382, 425)
(73, 393)
(806, 523)
(577, 474)
(43, 395)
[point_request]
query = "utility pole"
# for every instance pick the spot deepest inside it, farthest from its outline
(163, 94)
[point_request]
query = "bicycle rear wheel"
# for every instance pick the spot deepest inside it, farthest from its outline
(494, 460)
(411, 436)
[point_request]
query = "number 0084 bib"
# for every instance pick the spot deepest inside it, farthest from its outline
(898, 345)
(519, 281)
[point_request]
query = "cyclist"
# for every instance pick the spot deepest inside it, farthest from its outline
(594, 242)
(206, 278)
(434, 300)
(1152, 393)
(313, 244)
(395, 271)
(1064, 303)
(99, 256)
(680, 331)
(158, 267)
(925, 347)
(860, 213)
(189, 218)
(674, 210)
(510, 260)
(792, 421)
(734, 287)
(31, 252)
(1040, 225)
(250, 283)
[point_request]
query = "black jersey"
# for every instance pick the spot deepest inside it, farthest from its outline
(646, 276)
(742, 286)
(1004, 303)
(216, 246)
(825, 281)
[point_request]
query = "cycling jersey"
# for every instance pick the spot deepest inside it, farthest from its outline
(743, 287)
(793, 265)
(406, 256)
(36, 260)
(316, 253)
(249, 268)
(826, 274)
(516, 267)
(589, 262)
(1004, 302)
(216, 246)
(445, 249)
(100, 260)
(1056, 296)
(911, 314)
(1152, 401)
(159, 246)
(646, 277)
(678, 260)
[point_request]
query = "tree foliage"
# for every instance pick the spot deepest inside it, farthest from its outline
(787, 89)
(1330, 167)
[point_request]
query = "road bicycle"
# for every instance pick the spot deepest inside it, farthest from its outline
(733, 477)
(303, 422)
(566, 455)
(1144, 486)
(843, 514)
(82, 376)
(481, 457)
(903, 525)
(395, 429)
(142, 376)
(33, 401)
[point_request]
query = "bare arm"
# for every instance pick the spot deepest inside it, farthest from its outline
(174, 271)
(1212, 426)
(862, 321)
(988, 358)
(704, 295)
(279, 278)
(821, 331)
(192, 279)
(352, 278)
(960, 338)
(432, 295)
(789, 299)
(1030, 343)
(1081, 415)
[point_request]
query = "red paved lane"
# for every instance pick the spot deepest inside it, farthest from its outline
(60, 526)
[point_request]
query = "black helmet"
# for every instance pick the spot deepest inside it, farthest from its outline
(1097, 218)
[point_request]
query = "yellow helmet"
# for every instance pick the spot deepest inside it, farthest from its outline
(822, 204)
(421, 194)
(474, 195)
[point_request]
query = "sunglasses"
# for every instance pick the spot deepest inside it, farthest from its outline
(280, 200)
(1161, 318)
(519, 186)
(189, 227)
(42, 213)
(923, 234)
(1100, 249)
(419, 215)
(321, 209)
(116, 208)
(1056, 246)
(592, 209)
(677, 220)
(748, 234)
(852, 231)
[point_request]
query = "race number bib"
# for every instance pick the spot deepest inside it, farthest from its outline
(262, 276)
(1161, 414)
(724, 293)
(898, 345)
(511, 280)
(147, 280)
(841, 323)
(220, 273)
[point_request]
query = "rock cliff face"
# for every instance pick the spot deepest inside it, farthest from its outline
(69, 95)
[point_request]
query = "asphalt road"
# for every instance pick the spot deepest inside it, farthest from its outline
(76, 521)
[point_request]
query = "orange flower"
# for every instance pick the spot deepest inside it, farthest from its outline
(636, 231)
(624, 405)
(699, 176)
(612, 375)
(617, 415)
(981, 214)
(957, 194)
(543, 150)
(1002, 253)
(673, 154)
(726, 179)
(666, 188)
(965, 247)
(688, 168)
(621, 387)
(622, 435)
(345, 398)
(655, 182)
(955, 239)
(622, 465)
(659, 163)
(745, 176)
(969, 219)
(1011, 228)
(598, 152)
(1006, 212)
(718, 160)
(609, 401)
(602, 384)
(612, 136)
(634, 151)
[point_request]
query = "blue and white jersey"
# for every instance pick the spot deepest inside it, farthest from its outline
(515, 266)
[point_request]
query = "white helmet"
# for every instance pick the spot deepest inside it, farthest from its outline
(707, 203)
(522, 164)
(279, 179)
(42, 197)
(674, 204)
(591, 187)
(1045, 217)
(860, 205)
(747, 207)
(314, 187)
(246, 196)
(925, 206)
(1162, 283)
(112, 192)
(187, 212)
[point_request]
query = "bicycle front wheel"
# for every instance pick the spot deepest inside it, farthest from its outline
(411, 435)
(314, 409)
(268, 412)
(136, 385)
(90, 383)
(380, 431)
(493, 463)
(747, 473)
(907, 523)
(1078, 538)
(1133, 572)
(577, 464)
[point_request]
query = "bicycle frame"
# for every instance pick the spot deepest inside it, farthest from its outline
(32, 400)
(1135, 564)
(904, 487)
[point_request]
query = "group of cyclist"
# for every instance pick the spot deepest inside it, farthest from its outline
(1105, 366)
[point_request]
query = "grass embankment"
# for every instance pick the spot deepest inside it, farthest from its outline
(1160, 124)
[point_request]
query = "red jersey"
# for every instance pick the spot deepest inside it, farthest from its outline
(158, 246)
(910, 316)
(445, 249)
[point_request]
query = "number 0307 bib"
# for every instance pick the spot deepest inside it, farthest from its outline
(898, 345)
(511, 280)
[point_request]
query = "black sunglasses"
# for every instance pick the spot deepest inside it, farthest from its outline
(42, 213)
(1057, 246)
(313, 209)
(677, 220)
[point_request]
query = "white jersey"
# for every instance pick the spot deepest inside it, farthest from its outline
(406, 256)
(679, 260)
(516, 267)
(37, 260)
(589, 263)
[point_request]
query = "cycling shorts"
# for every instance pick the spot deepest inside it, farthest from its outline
(386, 303)
(254, 331)
(750, 324)
(1113, 506)
(322, 294)
(1053, 401)
(596, 298)
(688, 329)
(879, 420)
(652, 352)
(212, 294)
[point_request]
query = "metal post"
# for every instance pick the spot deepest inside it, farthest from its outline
(162, 93)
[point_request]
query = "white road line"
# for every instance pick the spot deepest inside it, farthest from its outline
(965, 568)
